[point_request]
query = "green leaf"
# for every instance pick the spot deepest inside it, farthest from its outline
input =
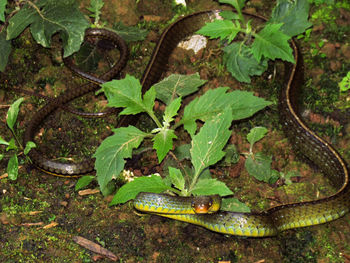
(2, 141)
(126, 93)
(294, 16)
(182, 152)
(259, 166)
(211, 187)
(5, 50)
(229, 15)
(84, 181)
(238, 4)
(234, 205)
(1, 156)
(344, 84)
(148, 99)
(223, 29)
(256, 134)
(129, 33)
(12, 167)
(3, 4)
(95, 8)
(243, 104)
(207, 145)
(241, 63)
(12, 145)
(48, 17)
(231, 154)
(28, 147)
(163, 142)
(113, 150)
(272, 43)
(171, 111)
(12, 113)
(153, 184)
(177, 178)
(177, 86)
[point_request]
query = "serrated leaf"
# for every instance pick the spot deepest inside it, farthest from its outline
(12, 145)
(171, 110)
(241, 63)
(29, 145)
(148, 99)
(231, 154)
(207, 145)
(126, 93)
(113, 150)
(256, 134)
(84, 181)
(238, 4)
(177, 178)
(153, 184)
(163, 142)
(12, 167)
(3, 4)
(183, 152)
(5, 50)
(229, 15)
(177, 86)
(12, 113)
(294, 16)
(2, 141)
(223, 29)
(272, 43)
(243, 104)
(211, 187)
(129, 33)
(47, 17)
(95, 7)
(234, 205)
(259, 166)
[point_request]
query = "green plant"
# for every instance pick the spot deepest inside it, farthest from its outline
(259, 164)
(14, 146)
(45, 18)
(344, 85)
(216, 109)
(249, 56)
(48, 17)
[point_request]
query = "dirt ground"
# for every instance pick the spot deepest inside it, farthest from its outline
(40, 214)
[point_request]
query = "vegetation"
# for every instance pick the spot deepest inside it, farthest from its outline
(247, 49)
(14, 146)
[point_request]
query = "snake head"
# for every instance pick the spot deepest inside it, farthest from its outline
(206, 204)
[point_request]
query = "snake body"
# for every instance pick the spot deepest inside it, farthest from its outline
(267, 223)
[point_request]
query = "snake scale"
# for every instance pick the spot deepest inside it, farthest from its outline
(267, 223)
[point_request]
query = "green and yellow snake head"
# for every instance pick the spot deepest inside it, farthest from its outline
(167, 204)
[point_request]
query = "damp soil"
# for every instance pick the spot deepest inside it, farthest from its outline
(40, 214)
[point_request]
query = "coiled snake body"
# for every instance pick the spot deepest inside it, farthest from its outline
(266, 223)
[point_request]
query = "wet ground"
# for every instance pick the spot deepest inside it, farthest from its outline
(40, 214)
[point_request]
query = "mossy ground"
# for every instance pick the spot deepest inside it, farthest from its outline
(35, 200)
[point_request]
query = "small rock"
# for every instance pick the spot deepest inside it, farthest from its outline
(329, 50)
(345, 50)
(335, 65)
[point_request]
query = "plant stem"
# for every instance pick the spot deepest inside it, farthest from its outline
(155, 119)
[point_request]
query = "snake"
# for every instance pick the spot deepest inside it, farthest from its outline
(204, 211)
